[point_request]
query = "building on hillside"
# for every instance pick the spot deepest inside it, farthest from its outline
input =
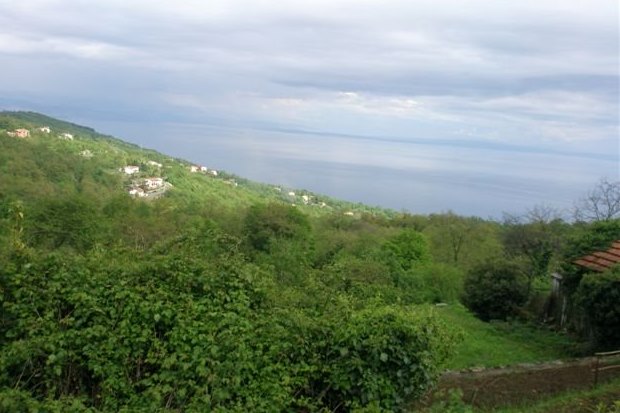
(130, 169)
(194, 168)
(213, 172)
(203, 169)
(137, 192)
(44, 129)
(86, 154)
(22, 133)
(153, 163)
(153, 183)
(19, 133)
(66, 136)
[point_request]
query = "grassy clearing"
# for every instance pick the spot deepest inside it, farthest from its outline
(501, 343)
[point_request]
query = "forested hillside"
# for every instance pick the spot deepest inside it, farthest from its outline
(174, 288)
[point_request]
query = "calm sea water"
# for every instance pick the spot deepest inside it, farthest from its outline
(420, 176)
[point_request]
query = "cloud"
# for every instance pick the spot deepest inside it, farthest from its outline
(74, 47)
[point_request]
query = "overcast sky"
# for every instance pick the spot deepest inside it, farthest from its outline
(495, 77)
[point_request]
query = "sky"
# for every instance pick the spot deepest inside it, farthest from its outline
(469, 105)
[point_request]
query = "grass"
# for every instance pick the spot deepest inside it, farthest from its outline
(501, 343)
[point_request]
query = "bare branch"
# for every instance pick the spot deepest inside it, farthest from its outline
(602, 203)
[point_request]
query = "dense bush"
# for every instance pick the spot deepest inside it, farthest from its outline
(495, 290)
(383, 357)
(182, 332)
(598, 296)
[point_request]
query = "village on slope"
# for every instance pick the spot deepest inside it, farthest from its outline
(143, 186)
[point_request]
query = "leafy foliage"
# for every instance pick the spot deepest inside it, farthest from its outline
(598, 296)
(406, 250)
(495, 290)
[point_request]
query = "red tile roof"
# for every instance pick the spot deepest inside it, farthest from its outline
(602, 260)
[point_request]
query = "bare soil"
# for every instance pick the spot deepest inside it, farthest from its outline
(490, 388)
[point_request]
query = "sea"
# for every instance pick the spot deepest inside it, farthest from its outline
(410, 174)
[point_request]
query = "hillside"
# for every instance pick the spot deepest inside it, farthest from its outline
(89, 162)
(133, 281)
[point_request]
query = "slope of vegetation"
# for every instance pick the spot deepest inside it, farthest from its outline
(220, 295)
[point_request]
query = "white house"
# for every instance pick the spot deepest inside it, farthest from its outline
(137, 192)
(86, 154)
(153, 163)
(213, 172)
(194, 168)
(306, 199)
(19, 133)
(153, 183)
(130, 169)
(203, 169)
(349, 213)
(45, 129)
(66, 136)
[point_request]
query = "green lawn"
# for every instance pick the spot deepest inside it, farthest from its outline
(499, 343)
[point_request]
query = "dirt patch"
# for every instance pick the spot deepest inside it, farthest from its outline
(491, 388)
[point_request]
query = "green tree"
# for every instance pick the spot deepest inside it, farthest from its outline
(280, 237)
(74, 222)
(495, 290)
(536, 238)
(265, 223)
(406, 250)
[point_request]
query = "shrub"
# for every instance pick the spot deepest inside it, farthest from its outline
(382, 357)
(495, 290)
(598, 296)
